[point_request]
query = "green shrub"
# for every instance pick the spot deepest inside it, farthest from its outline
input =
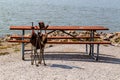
(117, 40)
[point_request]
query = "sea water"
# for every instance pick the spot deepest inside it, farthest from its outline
(59, 12)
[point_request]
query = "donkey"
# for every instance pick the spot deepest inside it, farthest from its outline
(38, 41)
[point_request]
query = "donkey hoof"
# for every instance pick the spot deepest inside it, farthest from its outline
(32, 63)
(37, 65)
(39, 62)
(31, 56)
(44, 64)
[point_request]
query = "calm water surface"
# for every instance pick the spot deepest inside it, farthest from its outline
(59, 12)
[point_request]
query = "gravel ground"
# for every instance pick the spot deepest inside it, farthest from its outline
(64, 62)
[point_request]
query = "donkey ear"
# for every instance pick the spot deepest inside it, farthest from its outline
(46, 26)
(41, 25)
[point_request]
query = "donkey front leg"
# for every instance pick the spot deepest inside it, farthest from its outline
(32, 59)
(40, 56)
(33, 52)
(35, 56)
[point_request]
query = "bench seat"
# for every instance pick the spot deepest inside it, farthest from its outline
(55, 37)
(79, 42)
(75, 42)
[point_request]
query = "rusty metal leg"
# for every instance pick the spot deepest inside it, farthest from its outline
(90, 49)
(97, 52)
(90, 52)
(86, 48)
(92, 39)
(92, 45)
(22, 45)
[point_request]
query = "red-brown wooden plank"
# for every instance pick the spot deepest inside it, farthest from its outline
(76, 42)
(20, 27)
(20, 41)
(16, 37)
(56, 37)
(79, 42)
(60, 28)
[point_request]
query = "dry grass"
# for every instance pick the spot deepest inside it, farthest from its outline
(3, 47)
(16, 50)
(4, 53)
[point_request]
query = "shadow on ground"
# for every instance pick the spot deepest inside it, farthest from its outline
(80, 56)
(64, 66)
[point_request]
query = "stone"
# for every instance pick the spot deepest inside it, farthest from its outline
(117, 34)
(110, 35)
(50, 46)
(6, 38)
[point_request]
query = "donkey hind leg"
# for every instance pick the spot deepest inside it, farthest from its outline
(43, 56)
(32, 57)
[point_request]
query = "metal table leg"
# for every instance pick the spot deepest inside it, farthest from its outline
(86, 48)
(22, 45)
(97, 52)
(92, 45)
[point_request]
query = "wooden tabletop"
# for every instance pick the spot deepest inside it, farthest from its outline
(60, 28)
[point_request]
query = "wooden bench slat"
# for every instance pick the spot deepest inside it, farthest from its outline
(69, 37)
(79, 42)
(20, 41)
(60, 28)
(55, 42)
(16, 37)
(55, 37)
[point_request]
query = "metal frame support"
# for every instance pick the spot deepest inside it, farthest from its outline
(98, 45)
(92, 45)
(23, 45)
(86, 48)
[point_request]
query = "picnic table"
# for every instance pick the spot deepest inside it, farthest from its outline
(92, 42)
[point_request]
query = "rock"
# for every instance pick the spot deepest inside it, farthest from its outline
(117, 39)
(70, 40)
(115, 44)
(107, 37)
(27, 34)
(68, 31)
(111, 35)
(50, 46)
(50, 35)
(6, 38)
(117, 34)
(54, 34)
(80, 34)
